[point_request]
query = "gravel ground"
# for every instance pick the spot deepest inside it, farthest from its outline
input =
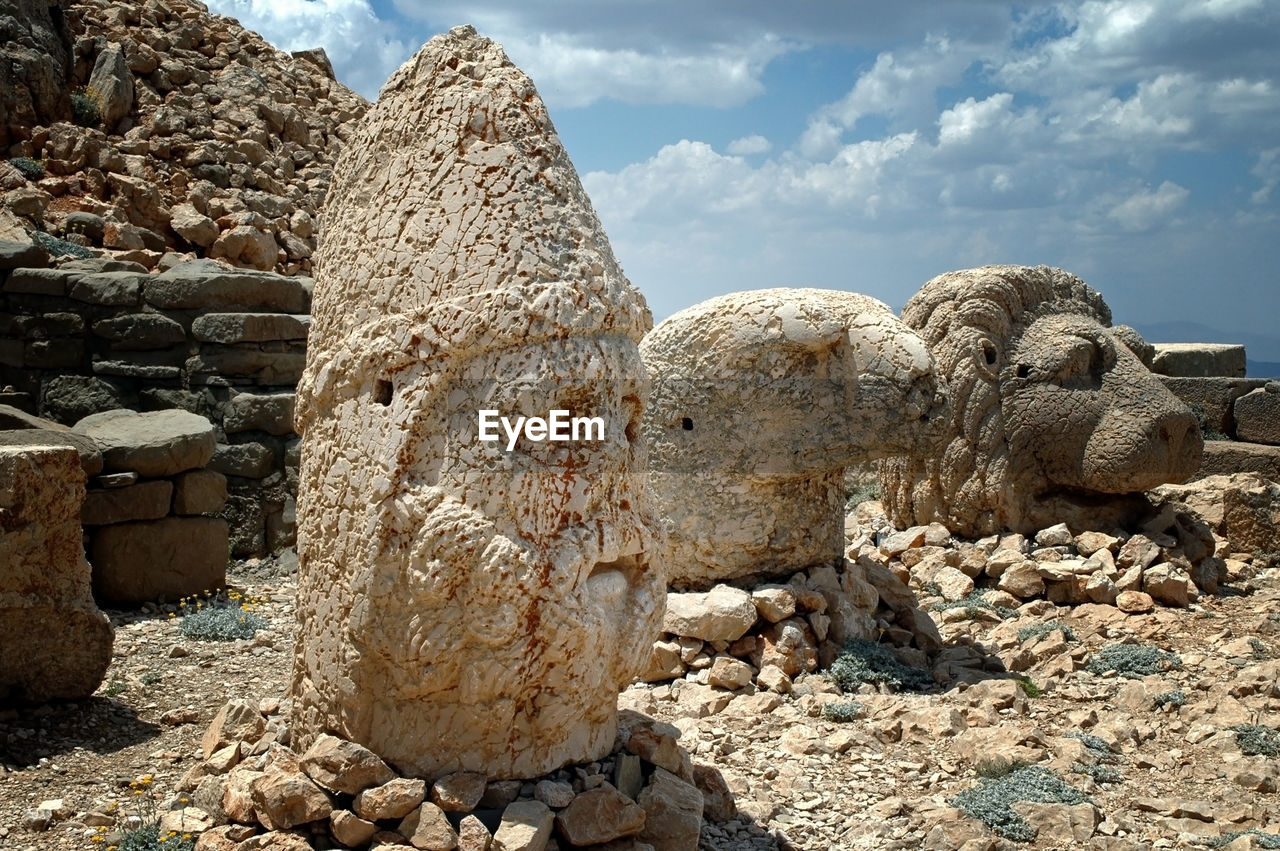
(883, 780)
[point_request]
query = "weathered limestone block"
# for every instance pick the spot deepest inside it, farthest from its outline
(1213, 399)
(152, 444)
(18, 428)
(199, 492)
(113, 84)
(1224, 457)
(139, 562)
(249, 327)
(1199, 360)
(467, 604)
(1055, 419)
(272, 413)
(1258, 415)
(144, 501)
(193, 226)
(247, 460)
(219, 365)
(57, 644)
(139, 331)
(208, 285)
(760, 400)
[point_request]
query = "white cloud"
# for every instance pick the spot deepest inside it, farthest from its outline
(572, 72)
(364, 49)
(901, 85)
(1267, 169)
(750, 145)
(1146, 208)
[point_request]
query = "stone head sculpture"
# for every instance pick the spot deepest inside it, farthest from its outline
(760, 400)
(467, 603)
(1054, 419)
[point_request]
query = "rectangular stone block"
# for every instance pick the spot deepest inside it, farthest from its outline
(41, 281)
(250, 327)
(134, 563)
(1212, 398)
(56, 643)
(1258, 415)
(128, 369)
(199, 492)
(272, 413)
(205, 285)
(116, 289)
(1200, 360)
(1223, 457)
(265, 368)
(143, 501)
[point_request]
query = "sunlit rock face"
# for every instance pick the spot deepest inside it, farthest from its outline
(761, 399)
(1055, 418)
(55, 644)
(465, 603)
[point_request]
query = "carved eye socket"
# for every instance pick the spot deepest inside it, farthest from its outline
(989, 353)
(1023, 370)
(382, 391)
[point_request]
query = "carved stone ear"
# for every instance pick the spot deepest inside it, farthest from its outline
(986, 358)
(1136, 343)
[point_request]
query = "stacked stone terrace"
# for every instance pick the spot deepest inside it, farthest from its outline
(1240, 416)
(98, 335)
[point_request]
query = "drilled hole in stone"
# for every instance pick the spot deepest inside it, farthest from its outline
(686, 424)
(382, 392)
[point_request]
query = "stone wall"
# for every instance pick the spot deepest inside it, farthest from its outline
(228, 344)
(1240, 416)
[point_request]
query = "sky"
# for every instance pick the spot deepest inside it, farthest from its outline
(869, 146)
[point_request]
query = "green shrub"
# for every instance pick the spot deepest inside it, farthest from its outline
(1040, 630)
(867, 662)
(1097, 746)
(997, 767)
(1100, 773)
(973, 603)
(1209, 432)
(990, 801)
(1174, 698)
(1263, 840)
(1029, 687)
(147, 838)
(864, 492)
(61, 248)
(84, 107)
(843, 713)
(1132, 660)
(1257, 741)
(30, 169)
(222, 616)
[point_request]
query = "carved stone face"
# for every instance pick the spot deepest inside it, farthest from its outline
(1082, 413)
(503, 574)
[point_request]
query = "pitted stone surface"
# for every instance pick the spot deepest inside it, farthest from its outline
(56, 643)
(1258, 415)
(760, 400)
(462, 606)
(1049, 405)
